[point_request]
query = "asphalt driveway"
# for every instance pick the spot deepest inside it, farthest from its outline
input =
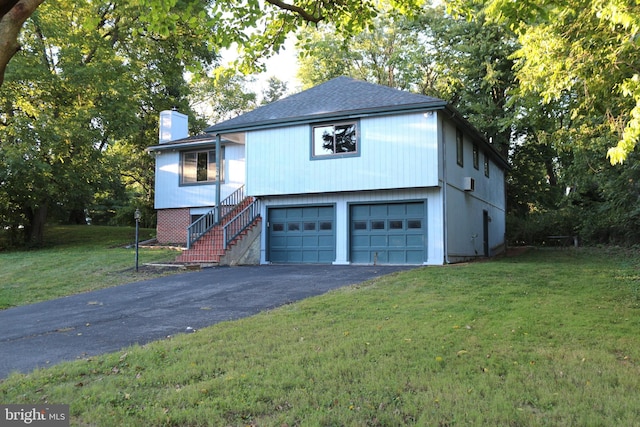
(92, 323)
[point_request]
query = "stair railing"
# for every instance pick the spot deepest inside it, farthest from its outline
(243, 220)
(206, 222)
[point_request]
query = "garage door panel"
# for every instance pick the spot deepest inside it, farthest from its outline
(301, 234)
(309, 241)
(360, 211)
(415, 257)
(278, 256)
(293, 256)
(310, 256)
(379, 241)
(396, 257)
(398, 241)
(415, 241)
(415, 209)
(295, 213)
(396, 209)
(360, 241)
(326, 256)
(393, 233)
(360, 257)
(278, 240)
(294, 242)
(326, 241)
(378, 210)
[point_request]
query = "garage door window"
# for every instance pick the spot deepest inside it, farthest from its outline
(360, 225)
(326, 226)
(396, 225)
(377, 225)
(414, 224)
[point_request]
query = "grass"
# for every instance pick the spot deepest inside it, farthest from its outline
(547, 338)
(76, 259)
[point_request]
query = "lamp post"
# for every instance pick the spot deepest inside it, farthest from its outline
(137, 215)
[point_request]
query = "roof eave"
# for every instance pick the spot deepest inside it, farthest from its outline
(182, 145)
(458, 117)
(340, 115)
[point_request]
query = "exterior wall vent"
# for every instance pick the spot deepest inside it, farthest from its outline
(173, 126)
(468, 183)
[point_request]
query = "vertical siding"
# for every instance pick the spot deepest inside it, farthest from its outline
(464, 208)
(394, 152)
(170, 194)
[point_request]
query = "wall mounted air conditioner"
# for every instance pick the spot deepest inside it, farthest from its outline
(468, 183)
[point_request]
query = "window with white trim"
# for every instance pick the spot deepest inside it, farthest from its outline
(335, 139)
(199, 167)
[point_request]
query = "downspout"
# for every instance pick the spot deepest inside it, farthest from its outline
(445, 232)
(218, 183)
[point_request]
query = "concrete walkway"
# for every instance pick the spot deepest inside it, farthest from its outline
(92, 323)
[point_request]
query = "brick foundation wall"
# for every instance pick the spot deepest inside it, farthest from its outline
(172, 226)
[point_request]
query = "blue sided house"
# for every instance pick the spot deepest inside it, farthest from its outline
(347, 172)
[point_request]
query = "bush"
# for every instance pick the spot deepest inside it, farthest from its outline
(536, 227)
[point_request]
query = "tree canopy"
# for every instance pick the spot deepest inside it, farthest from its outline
(259, 27)
(555, 85)
(81, 97)
(586, 49)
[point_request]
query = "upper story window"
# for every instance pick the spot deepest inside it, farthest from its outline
(476, 157)
(335, 139)
(459, 148)
(486, 165)
(198, 167)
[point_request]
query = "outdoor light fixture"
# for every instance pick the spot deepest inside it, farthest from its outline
(137, 215)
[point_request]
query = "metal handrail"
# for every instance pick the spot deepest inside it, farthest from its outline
(234, 227)
(206, 222)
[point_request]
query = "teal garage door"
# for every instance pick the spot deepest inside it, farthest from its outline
(302, 234)
(391, 233)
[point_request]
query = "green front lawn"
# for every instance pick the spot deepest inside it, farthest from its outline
(76, 259)
(546, 338)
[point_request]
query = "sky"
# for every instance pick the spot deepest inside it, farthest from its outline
(284, 66)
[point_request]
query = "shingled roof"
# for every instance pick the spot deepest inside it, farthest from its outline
(339, 97)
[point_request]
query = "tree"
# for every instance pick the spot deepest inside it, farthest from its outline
(82, 93)
(392, 52)
(275, 90)
(222, 95)
(585, 48)
(13, 14)
(222, 22)
(472, 59)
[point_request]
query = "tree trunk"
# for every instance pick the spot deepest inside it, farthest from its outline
(77, 217)
(34, 231)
